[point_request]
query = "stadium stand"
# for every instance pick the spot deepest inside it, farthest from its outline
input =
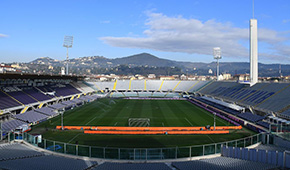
(16, 151)
(272, 147)
(20, 157)
(198, 86)
(77, 101)
(6, 101)
(12, 124)
(89, 97)
(251, 117)
(169, 85)
(37, 95)
(268, 155)
(57, 106)
(22, 97)
(285, 114)
(31, 117)
(153, 85)
(132, 166)
(60, 89)
(264, 124)
(122, 85)
(221, 163)
(81, 86)
(68, 103)
(225, 104)
(185, 85)
(261, 96)
(47, 111)
(138, 85)
(103, 85)
(150, 85)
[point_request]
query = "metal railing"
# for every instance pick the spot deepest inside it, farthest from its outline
(134, 153)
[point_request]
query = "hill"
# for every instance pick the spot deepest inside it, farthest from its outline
(145, 61)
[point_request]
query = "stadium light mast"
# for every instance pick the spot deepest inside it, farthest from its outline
(61, 112)
(68, 42)
(253, 50)
(217, 56)
(1, 133)
(214, 120)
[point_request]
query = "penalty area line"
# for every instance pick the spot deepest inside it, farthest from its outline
(74, 138)
(188, 121)
(210, 138)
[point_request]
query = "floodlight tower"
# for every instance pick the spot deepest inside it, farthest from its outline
(1, 132)
(253, 49)
(217, 56)
(214, 120)
(68, 42)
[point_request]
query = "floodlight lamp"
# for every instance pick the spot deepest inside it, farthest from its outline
(217, 53)
(68, 41)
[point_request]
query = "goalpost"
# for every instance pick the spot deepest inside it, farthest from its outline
(139, 122)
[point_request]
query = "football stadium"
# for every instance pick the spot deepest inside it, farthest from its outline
(74, 122)
(149, 123)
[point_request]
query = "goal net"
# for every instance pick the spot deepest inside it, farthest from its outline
(139, 122)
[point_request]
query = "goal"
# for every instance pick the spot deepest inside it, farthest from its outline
(139, 122)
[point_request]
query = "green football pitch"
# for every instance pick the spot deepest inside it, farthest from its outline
(116, 112)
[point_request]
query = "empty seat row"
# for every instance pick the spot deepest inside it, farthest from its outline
(221, 163)
(21, 157)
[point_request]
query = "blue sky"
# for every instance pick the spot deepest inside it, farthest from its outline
(183, 30)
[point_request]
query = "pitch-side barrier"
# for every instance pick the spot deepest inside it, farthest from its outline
(157, 132)
(121, 128)
(151, 130)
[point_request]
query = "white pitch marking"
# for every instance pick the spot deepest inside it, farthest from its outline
(74, 138)
(210, 138)
(188, 121)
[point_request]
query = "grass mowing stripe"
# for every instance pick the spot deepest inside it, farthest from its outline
(160, 114)
(219, 121)
(123, 112)
(177, 113)
(102, 114)
(118, 111)
(108, 118)
(136, 111)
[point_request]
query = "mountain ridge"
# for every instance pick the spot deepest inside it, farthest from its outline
(149, 60)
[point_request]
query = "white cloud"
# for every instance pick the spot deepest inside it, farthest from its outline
(178, 34)
(3, 35)
(286, 21)
(105, 22)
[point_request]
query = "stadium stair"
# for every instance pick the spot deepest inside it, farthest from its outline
(31, 96)
(192, 86)
(24, 110)
(161, 85)
(204, 86)
(252, 94)
(130, 84)
(115, 85)
(176, 86)
(272, 95)
(40, 106)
